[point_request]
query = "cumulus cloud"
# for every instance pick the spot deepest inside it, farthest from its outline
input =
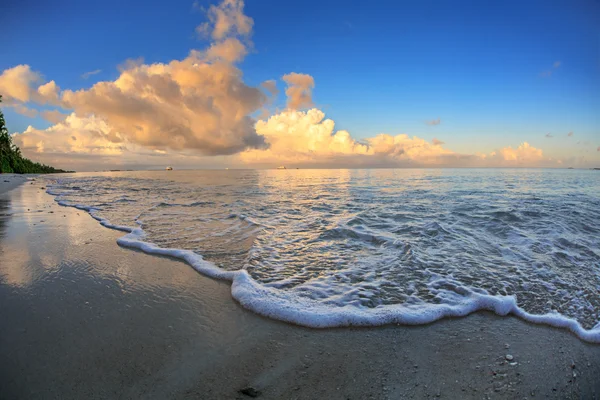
(74, 135)
(299, 90)
(16, 84)
(226, 19)
(524, 154)
(230, 50)
(90, 73)
(53, 116)
(48, 93)
(434, 122)
(307, 138)
(200, 102)
(86, 144)
(182, 111)
(193, 103)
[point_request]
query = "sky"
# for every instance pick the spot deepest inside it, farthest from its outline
(214, 84)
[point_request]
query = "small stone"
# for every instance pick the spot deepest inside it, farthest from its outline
(509, 357)
(506, 346)
(250, 391)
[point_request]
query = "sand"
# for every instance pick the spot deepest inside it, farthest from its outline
(85, 318)
(11, 181)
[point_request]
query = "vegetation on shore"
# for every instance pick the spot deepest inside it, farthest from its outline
(11, 159)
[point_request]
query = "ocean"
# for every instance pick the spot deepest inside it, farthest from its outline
(329, 248)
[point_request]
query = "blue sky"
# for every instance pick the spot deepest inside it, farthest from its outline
(495, 73)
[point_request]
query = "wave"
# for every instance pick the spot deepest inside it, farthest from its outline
(453, 299)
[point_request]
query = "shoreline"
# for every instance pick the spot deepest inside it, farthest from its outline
(10, 181)
(84, 317)
(305, 313)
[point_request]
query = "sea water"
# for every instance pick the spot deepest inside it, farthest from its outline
(325, 248)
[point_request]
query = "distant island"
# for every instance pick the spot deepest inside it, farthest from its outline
(11, 159)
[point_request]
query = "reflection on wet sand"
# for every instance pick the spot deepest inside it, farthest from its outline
(32, 214)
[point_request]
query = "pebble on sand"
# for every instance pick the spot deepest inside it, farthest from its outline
(509, 357)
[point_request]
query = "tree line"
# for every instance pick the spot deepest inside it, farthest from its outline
(11, 159)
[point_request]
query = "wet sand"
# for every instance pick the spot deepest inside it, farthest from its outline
(11, 181)
(84, 318)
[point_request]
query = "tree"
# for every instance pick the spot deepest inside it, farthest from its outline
(11, 159)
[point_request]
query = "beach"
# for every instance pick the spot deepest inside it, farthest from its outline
(85, 318)
(11, 181)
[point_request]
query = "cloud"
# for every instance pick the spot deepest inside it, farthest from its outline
(307, 138)
(190, 104)
(524, 154)
(53, 116)
(199, 111)
(434, 122)
(230, 50)
(200, 102)
(548, 73)
(48, 93)
(570, 134)
(88, 135)
(23, 110)
(299, 90)
(271, 87)
(86, 143)
(90, 73)
(549, 135)
(226, 20)
(16, 84)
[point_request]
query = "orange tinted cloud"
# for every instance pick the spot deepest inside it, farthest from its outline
(16, 84)
(306, 137)
(199, 103)
(299, 90)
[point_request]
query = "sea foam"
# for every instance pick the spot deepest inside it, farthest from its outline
(328, 288)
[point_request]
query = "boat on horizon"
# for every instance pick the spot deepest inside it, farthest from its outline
(169, 168)
(281, 167)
